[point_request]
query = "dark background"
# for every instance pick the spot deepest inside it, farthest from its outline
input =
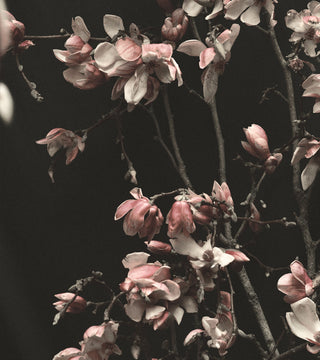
(53, 234)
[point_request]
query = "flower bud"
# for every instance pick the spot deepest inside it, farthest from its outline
(78, 304)
(174, 27)
(272, 163)
(158, 247)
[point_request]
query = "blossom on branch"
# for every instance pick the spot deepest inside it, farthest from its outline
(175, 26)
(180, 219)
(312, 89)
(76, 306)
(306, 27)
(213, 58)
(150, 291)
(304, 323)
(258, 147)
(219, 328)
(69, 354)
(59, 138)
(249, 11)
(308, 148)
(141, 216)
(296, 285)
(205, 259)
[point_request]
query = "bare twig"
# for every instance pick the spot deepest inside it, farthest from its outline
(290, 352)
(109, 308)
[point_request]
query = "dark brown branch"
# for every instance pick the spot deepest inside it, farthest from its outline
(176, 149)
(282, 221)
(234, 319)
(170, 193)
(109, 308)
(290, 352)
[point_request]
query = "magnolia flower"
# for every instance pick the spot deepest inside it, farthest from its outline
(219, 329)
(307, 148)
(68, 354)
(213, 58)
(85, 76)
(175, 26)
(249, 10)
(12, 33)
(312, 89)
(206, 259)
(150, 291)
(304, 323)
(296, 285)
(59, 138)
(258, 147)
(179, 219)
(202, 208)
(223, 198)
(78, 49)
(306, 27)
(76, 306)
(140, 216)
(194, 7)
(99, 341)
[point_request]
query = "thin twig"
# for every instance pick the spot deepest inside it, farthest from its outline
(290, 352)
(173, 192)
(234, 319)
(109, 308)
(176, 149)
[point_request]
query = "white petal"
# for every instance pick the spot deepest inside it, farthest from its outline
(79, 28)
(310, 172)
(112, 24)
(186, 245)
(192, 8)
(306, 313)
(192, 47)
(6, 104)
(135, 259)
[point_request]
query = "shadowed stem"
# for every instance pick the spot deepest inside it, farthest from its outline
(176, 149)
(301, 197)
(290, 352)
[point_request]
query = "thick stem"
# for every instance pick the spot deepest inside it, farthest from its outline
(301, 197)
(257, 310)
(176, 149)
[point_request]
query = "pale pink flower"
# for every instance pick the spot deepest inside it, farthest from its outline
(99, 341)
(296, 285)
(85, 76)
(306, 27)
(219, 329)
(202, 213)
(249, 10)
(308, 148)
(12, 33)
(78, 49)
(223, 198)
(68, 354)
(59, 138)
(150, 291)
(304, 323)
(180, 219)
(213, 58)
(205, 259)
(78, 304)
(258, 147)
(156, 60)
(194, 7)
(141, 216)
(312, 89)
(175, 26)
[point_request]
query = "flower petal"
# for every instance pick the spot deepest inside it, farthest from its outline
(112, 24)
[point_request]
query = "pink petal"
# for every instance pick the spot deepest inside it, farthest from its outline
(192, 336)
(135, 259)
(143, 271)
(206, 57)
(192, 47)
(112, 24)
(128, 49)
(162, 51)
(124, 208)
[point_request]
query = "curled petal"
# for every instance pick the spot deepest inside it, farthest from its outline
(112, 24)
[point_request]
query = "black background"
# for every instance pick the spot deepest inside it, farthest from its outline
(53, 234)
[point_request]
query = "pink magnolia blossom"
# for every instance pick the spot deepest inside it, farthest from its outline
(312, 89)
(223, 198)
(175, 26)
(296, 285)
(99, 341)
(78, 49)
(219, 329)
(194, 7)
(307, 148)
(202, 213)
(12, 33)
(150, 291)
(258, 147)
(59, 138)
(249, 10)
(213, 58)
(304, 323)
(85, 76)
(78, 304)
(306, 27)
(205, 259)
(141, 216)
(68, 354)
(180, 219)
